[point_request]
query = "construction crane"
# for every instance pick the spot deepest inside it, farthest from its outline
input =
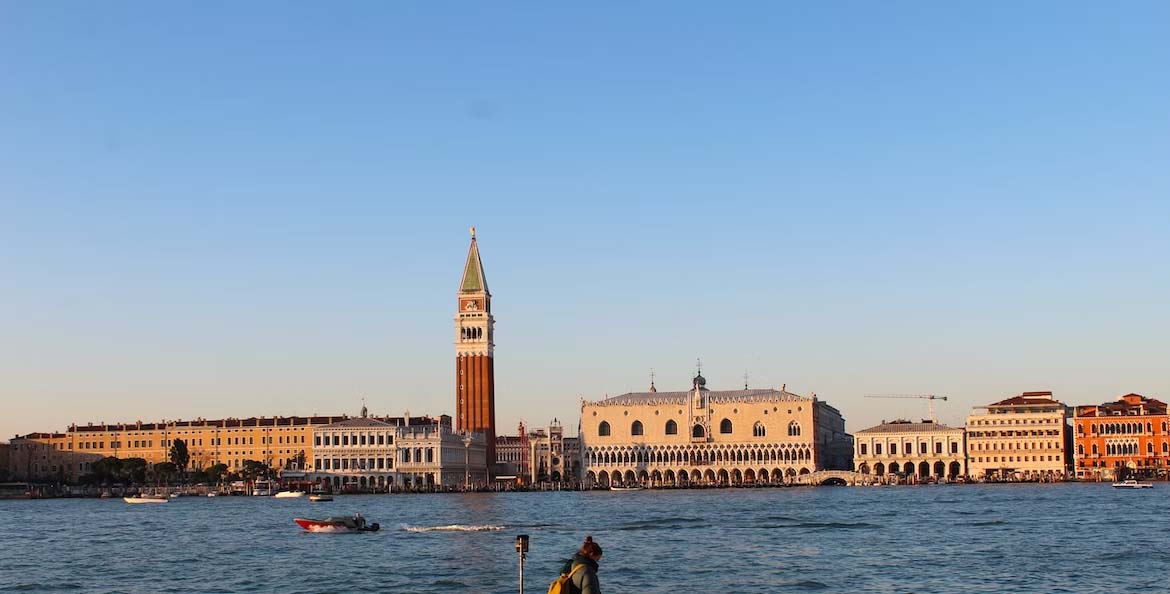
(929, 398)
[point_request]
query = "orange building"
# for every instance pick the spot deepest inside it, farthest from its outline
(1124, 438)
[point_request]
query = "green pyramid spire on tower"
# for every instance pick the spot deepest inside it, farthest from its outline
(474, 280)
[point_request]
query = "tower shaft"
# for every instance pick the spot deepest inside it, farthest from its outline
(475, 391)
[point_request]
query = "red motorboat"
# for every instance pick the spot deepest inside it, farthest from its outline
(337, 524)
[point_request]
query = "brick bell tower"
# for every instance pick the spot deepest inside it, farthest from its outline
(475, 378)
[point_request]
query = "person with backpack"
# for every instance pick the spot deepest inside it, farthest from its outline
(579, 576)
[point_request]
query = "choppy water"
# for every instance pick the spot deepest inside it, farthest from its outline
(952, 539)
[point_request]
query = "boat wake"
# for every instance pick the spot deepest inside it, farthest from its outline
(335, 529)
(452, 528)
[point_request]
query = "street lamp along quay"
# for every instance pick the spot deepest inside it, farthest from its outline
(466, 461)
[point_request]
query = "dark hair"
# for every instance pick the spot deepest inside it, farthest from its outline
(590, 547)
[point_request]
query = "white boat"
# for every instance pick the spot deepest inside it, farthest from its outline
(320, 497)
(287, 494)
(1132, 484)
(633, 488)
(146, 499)
(213, 494)
(263, 489)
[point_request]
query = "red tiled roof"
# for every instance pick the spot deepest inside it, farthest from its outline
(1028, 398)
(1123, 406)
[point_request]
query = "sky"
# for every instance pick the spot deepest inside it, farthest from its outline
(223, 209)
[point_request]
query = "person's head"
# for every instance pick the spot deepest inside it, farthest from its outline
(591, 549)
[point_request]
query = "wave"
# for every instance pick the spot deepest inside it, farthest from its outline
(984, 523)
(453, 528)
(779, 519)
(664, 523)
(810, 585)
(835, 525)
(1130, 554)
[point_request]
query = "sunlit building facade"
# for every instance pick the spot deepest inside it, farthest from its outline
(1025, 437)
(279, 442)
(1125, 437)
(904, 449)
(704, 437)
(380, 454)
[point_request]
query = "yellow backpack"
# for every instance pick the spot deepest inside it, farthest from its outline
(561, 584)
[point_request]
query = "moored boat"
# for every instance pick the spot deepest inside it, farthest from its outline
(1132, 484)
(320, 497)
(337, 524)
(146, 499)
(289, 494)
(263, 489)
(632, 488)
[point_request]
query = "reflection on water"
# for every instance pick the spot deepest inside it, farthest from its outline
(944, 538)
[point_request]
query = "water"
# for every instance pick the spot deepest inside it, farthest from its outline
(952, 539)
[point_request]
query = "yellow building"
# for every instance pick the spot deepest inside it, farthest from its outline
(709, 437)
(279, 442)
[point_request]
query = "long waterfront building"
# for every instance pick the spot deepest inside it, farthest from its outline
(709, 437)
(283, 443)
(280, 442)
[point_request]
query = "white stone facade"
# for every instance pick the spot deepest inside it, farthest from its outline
(705, 437)
(905, 450)
(434, 455)
(375, 454)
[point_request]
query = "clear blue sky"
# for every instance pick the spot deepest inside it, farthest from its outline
(235, 209)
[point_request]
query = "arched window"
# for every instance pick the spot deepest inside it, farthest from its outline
(1081, 449)
(758, 430)
(671, 427)
(603, 429)
(794, 430)
(636, 428)
(725, 426)
(697, 431)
